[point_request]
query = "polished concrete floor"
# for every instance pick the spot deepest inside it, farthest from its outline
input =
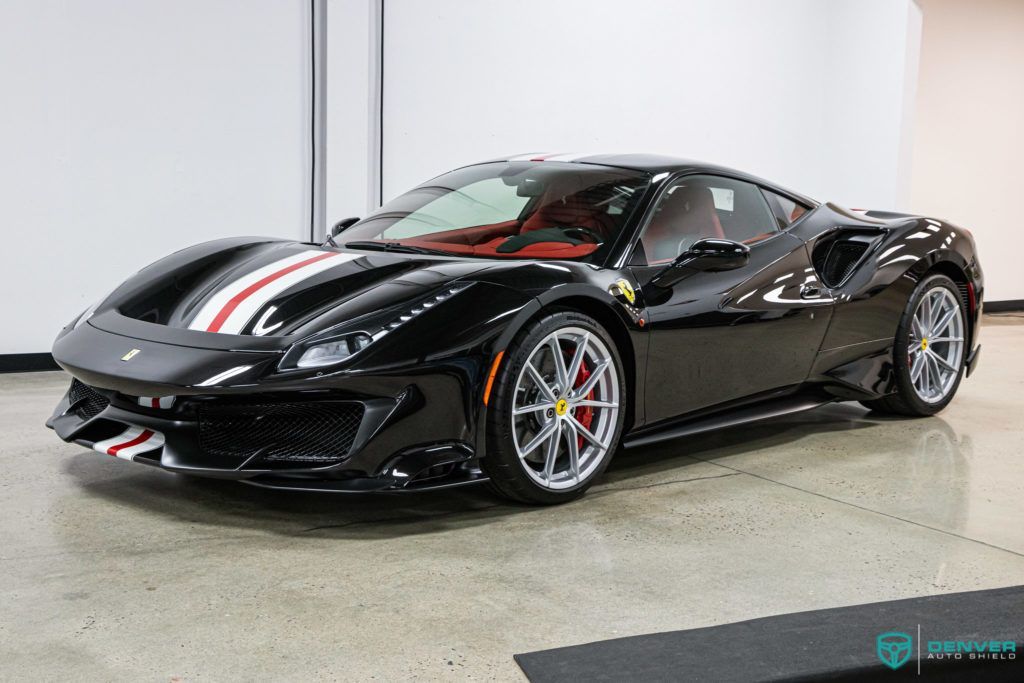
(113, 571)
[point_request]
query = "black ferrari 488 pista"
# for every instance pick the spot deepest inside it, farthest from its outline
(517, 322)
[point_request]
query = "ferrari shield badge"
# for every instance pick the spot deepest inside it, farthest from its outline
(625, 289)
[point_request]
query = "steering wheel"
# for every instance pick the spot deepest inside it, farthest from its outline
(584, 234)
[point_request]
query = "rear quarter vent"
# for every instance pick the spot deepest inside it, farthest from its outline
(839, 256)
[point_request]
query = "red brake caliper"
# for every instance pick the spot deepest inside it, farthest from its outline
(584, 415)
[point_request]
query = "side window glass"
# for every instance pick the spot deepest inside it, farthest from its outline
(785, 209)
(696, 207)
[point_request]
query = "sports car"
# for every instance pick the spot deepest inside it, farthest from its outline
(518, 321)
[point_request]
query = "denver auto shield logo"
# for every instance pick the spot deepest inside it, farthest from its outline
(893, 648)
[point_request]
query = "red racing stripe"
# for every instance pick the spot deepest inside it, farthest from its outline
(141, 438)
(233, 303)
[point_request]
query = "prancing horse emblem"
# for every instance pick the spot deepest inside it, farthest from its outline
(131, 354)
(625, 289)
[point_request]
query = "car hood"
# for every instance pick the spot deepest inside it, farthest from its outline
(262, 295)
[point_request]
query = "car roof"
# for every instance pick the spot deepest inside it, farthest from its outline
(653, 163)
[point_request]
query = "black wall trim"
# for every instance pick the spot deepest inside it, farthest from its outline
(27, 362)
(1004, 306)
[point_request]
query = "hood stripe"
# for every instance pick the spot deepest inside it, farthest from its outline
(230, 309)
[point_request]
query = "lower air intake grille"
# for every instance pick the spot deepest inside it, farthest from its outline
(315, 432)
(86, 401)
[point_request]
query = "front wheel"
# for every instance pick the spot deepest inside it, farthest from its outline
(928, 351)
(555, 414)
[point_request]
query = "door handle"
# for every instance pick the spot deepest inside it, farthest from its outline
(809, 291)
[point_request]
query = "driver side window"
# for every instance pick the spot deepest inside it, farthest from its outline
(700, 206)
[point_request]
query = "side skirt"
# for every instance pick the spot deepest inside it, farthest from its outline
(775, 407)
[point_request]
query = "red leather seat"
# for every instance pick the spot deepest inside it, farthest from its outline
(683, 217)
(572, 211)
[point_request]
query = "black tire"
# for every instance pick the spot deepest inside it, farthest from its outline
(905, 400)
(502, 464)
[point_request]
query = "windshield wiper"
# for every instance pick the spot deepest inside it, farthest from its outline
(396, 247)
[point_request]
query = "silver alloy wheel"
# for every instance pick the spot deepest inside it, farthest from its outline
(936, 349)
(565, 408)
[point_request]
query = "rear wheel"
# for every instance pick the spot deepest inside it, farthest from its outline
(928, 351)
(556, 410)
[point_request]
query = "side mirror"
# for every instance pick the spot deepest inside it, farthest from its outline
(709, 254)
(342, 224)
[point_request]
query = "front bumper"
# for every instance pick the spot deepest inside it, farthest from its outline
(326, 441)
(404, 428)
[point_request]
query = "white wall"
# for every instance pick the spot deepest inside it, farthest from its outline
(810, 93)
(352, 116)
(970, 129)
(131, 129)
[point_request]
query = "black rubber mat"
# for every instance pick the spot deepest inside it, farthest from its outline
(840, 644)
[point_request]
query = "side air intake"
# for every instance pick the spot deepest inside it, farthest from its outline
(837, 258)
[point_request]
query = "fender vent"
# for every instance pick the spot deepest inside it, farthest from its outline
(838, 258)
(841, 260)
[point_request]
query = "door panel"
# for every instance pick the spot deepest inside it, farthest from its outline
(716, 337)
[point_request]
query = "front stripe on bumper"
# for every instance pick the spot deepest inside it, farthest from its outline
(130, 442)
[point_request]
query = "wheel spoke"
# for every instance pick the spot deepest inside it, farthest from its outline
(944, 322)
(592, 381)
(916, 367)
(915, 329)
(926, 314)
(537, 440)
(539, 381)
(939, 340)
(942, 361)
(574, 450)
(934, 377)
(535, 408)
(577, 359)
(586, 433)
(561, 376)
(926, 376)
(552, 453)
(586, 403)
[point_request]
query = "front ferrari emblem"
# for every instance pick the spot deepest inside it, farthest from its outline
(924, 344)
(131, 354)
(561, 407)
(625, 289)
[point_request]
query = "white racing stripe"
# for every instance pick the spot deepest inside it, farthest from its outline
(231, 308)
(162, 402)
(554, 156)
(130, 442)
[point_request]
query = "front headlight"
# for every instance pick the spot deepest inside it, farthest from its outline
(345, 341)
(333, 351)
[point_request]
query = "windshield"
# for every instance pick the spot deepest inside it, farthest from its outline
(548, 210)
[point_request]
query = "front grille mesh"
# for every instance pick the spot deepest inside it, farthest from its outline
(86, 401)
(315, 432)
